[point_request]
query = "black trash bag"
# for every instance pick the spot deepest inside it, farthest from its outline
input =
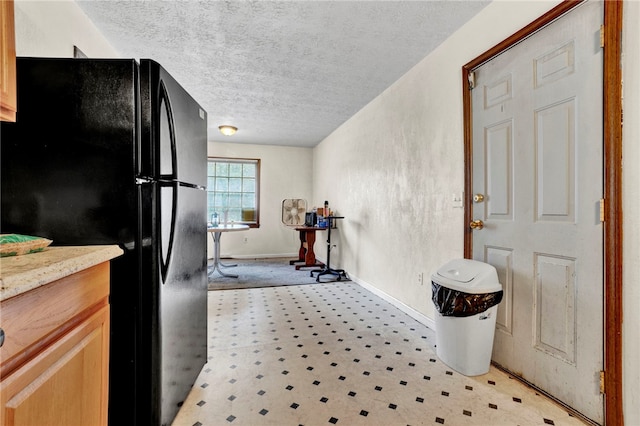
(455, 303)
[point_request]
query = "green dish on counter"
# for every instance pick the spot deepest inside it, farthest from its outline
(16, 244)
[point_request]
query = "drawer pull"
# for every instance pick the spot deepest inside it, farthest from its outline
(1, 337)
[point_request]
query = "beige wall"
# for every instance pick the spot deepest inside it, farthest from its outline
(285, 172)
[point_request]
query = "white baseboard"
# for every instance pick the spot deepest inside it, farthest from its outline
(421, 318)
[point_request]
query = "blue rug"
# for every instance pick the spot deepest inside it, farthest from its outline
(263, 272)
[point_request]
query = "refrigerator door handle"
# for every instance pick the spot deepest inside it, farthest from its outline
(167, 207)
(167, 137)
(167, 178)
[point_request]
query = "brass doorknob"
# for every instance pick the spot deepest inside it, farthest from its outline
(478, 198)
(476, 224)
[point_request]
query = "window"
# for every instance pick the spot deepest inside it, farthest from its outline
(232, 190)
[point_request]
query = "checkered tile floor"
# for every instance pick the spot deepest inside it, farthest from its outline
(334, 353)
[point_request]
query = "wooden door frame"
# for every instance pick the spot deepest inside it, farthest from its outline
(612, 134)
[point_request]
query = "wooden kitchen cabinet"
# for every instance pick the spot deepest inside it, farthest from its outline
(8, 98)
(55, 358)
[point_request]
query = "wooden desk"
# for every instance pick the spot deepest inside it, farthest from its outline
(306, 253)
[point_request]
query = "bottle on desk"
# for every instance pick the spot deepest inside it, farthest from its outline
(327, 214)
(215, 220)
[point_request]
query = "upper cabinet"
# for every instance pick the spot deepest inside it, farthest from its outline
(8, 100)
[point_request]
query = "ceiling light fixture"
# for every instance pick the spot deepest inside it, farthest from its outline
(227, 130)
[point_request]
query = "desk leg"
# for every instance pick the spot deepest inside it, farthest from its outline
(309, 254)
(216, 257)
(300, 251)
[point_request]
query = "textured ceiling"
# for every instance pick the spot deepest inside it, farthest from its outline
(284, 73)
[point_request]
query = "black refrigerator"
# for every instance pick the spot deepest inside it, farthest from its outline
(114, 152)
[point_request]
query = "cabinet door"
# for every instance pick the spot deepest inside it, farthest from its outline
(66, 384)
(8, 100)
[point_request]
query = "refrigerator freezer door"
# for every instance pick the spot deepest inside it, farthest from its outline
(175, 140)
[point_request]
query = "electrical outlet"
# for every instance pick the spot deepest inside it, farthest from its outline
(421, 278)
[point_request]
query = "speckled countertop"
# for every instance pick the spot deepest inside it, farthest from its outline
(19, 274)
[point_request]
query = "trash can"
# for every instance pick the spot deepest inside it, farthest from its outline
(466, 294)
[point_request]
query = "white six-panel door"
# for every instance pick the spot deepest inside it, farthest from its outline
(537, 162)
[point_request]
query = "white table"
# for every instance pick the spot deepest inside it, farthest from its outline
(216, 233)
